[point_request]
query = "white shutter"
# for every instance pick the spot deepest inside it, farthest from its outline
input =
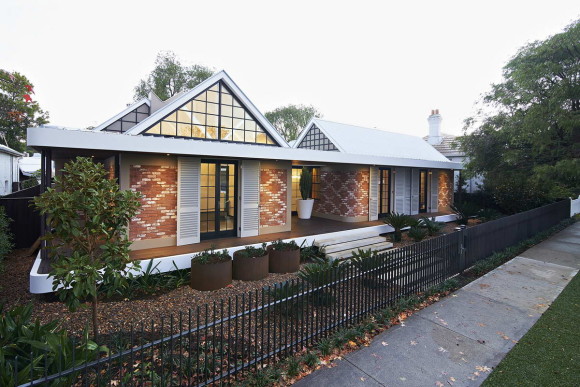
(434, 205)
(374, 194)
(400, 182)
(415, 191)
(188, 198)
(250, 199)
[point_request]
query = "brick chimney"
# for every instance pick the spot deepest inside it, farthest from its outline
(435, 128)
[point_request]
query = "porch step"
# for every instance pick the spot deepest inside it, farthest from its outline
(342, 239)
(348, 253)
(352, 244)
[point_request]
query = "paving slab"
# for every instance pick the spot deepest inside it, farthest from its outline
(489, 322)
(523, 283)
(422, 353)
(343, 373)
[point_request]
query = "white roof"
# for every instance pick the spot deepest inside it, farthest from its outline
(374, 142)
(10, 151)
(29, 165)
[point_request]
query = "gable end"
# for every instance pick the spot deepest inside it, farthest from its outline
(316, 140)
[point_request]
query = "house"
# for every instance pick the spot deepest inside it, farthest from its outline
(210, 165)
(9, 176)
(448, 146)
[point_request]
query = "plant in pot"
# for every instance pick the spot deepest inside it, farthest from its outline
(284, 257)
(251, 263)
(211, 270)
(306, 203)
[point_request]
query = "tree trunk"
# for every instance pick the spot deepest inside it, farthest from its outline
(95, 319)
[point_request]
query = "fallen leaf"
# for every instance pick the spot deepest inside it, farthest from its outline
(403, 379)
(452, 379)
(483, 368)
(441, 349)
(413, 342)
(481, 324)
(483, 286)
(439, 384)
(384, 343)
(362, 379)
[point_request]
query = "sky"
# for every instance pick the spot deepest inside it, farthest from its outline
(369, 63)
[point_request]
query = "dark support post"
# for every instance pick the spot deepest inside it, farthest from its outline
(45, 182)
(118, 168)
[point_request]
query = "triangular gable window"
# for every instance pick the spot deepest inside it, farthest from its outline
(129, 120)
(315, 139)
(215, 114)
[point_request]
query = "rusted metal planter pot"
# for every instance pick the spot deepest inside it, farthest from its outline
(211, 276)
(285, 261)
(250, 268)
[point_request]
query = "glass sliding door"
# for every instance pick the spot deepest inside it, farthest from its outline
(384, 191)
(314, 193)
(423, 190)
(218, 199)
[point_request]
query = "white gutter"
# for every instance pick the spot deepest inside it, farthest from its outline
(87, 139)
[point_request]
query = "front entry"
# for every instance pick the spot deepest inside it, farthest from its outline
(384, 191)
(423, 190)
(218, 215)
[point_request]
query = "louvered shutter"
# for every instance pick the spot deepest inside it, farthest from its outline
(415, 191)
(250, 200)
(434, 205)
(374, 194)
(400, 182)
(188, 198)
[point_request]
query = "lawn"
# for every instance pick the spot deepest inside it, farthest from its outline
(549, 354)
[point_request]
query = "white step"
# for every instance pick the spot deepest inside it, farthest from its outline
(345, 238)
(353, 244)
(348, 253)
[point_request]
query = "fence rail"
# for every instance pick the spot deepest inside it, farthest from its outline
(221, 341)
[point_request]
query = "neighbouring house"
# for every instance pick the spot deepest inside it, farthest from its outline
(9, 176)
(210, 165)
(448, 146)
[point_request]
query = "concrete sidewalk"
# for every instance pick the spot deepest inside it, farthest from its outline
(458, 340)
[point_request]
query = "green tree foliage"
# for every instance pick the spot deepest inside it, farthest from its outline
(528, 147)
(16, 112)
(5, 235)
(89, 249)
(290, 120)
(170, 77)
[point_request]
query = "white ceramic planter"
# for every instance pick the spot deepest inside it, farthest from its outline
(305, 208)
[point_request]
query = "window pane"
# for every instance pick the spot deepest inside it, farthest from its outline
(211, 132)
(183, 116)
(250, 125)
(261, 138)
(168, 128)
(212, 108)
(198, 118)
(183, 130)
(238, 135)
(227, 98)
(198, 131)
(226, 122)
(171, 117)
(250, 137)
(238, 112)
(226, 134)
(198, 106)
(238, 123)
(211, 120)
(155, 129)
(212, 97)
(227, 110)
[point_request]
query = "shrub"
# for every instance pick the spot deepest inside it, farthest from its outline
(209, 256)
(5, 235)
(398, 222)
(310, 359)
(487, 214)
(310, 253)
(305, 183)
(464, 211)
(280, 245)
(417, 233)
(252, 252)
(431, 225)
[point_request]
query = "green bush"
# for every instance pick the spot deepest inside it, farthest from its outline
(209, 256)
(398, 222)
(431, 225)
(464, 211)
(5, 235)
(417, 233)
(310, 253)
(280, 245)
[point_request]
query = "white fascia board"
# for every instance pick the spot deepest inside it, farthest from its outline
(85, 139)
(10, 151)
(220, 76)
(122, 114)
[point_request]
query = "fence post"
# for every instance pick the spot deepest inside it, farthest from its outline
(462, 251)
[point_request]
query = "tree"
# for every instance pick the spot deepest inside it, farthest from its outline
(526, 138)
(170, 77)
(88, 216)
(291, 119)
(17, 109)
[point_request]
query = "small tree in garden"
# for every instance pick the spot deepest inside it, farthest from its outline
(305, 183)
(87, 215)
(398, 222)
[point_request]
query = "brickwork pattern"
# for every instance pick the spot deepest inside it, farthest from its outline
(343, 193)
(445, 189)
(273, 197)
(157, 217)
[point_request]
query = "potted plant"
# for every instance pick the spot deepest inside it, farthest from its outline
(284, 257)
(306, 203)
(211, 270)
(251, 263)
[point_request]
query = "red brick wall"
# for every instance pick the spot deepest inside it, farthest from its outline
(157, 217)
(445, 189)
(343, 193)
(273, 197)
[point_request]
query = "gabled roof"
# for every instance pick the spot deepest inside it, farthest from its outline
(10, 151)
(129, 109)
(373, 142)
(220, 76)
(448, 146)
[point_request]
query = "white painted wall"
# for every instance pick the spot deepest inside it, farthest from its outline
(8, 173)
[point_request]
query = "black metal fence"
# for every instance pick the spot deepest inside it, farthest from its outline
(221, 341)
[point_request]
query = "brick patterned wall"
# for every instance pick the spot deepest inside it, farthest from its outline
(343, 193)
(273, 197)
(445, 189)
(157, 217)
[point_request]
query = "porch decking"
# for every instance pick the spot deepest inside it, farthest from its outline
(300, 228)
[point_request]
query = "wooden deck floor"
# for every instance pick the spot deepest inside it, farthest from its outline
(300, 228)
